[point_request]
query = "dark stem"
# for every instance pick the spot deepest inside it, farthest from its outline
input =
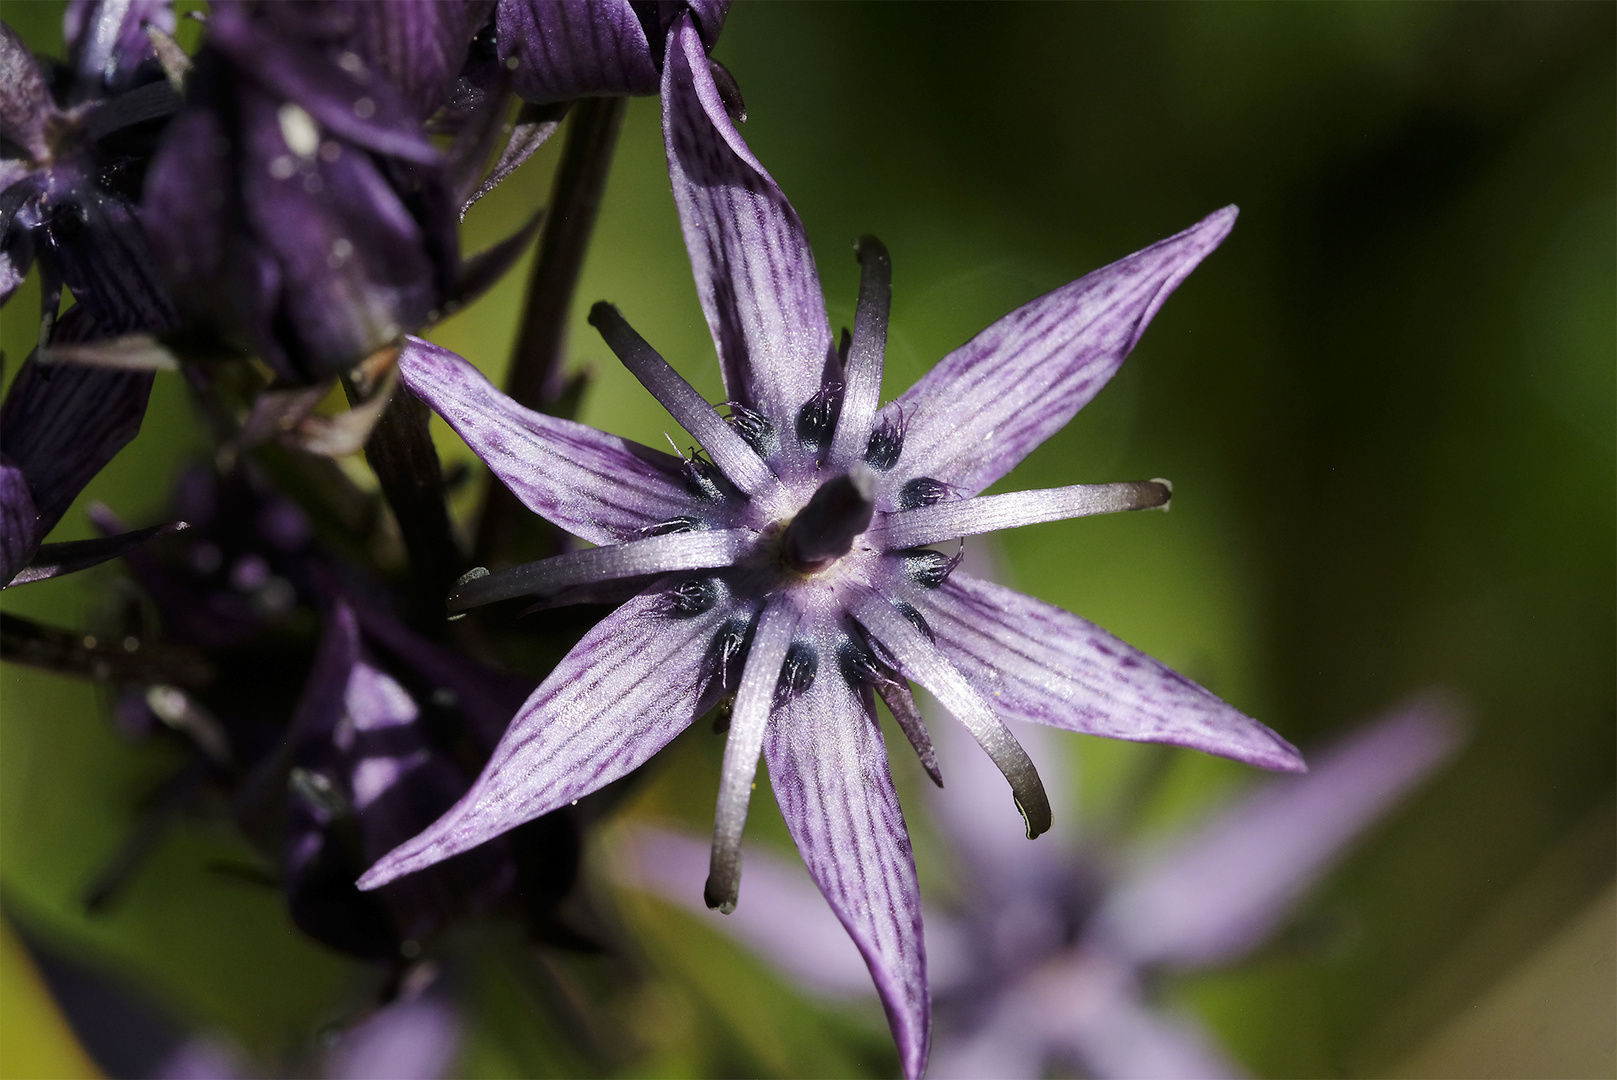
(401, 453)
(535, 378)
(69, 652)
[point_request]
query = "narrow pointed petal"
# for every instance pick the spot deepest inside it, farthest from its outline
(1227, 886)
(1037, 662)
(919, 659)
(828, 767)
(61, 426)
(862, 375)
(557, 50)
(901, 703)
(991, 513)
(754, 270)
(738, 461)
(636, 558)
(594, 485)
(54, 560)
(991, 401)
(784, 920)
(754, 699)
(634, 682)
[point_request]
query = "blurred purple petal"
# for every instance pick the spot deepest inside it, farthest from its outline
(1120, 1038)
(420, 46)
(61, 425)
(25, 99)
(784, 919)
(1224, 888)
(19, 521)
(1037, 662)
(634, 682)
(976, 414)
(754, 270)
(562, 49)
(350, 99)
(408, 1040)
(203, 1058)
(828, 767)
(107, 42)
(594, 485)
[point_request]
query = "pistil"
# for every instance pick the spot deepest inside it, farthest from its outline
(824, 530)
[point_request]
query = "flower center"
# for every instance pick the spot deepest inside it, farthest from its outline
(824, 530)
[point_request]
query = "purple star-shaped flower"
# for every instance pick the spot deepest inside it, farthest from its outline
(790, 564)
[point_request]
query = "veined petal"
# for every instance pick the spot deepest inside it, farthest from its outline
(738, 461)
(754, 270)
(557, 50)
(1037, 662)
(61, 425)
(1225, 887)
(866, 350)
(594, 485)
(759, 678)
(19, 521)
(784, 920)
(828, 767)
(919, 659)
(991, 401)
(704, 550)
(990, 513)
(634, 682)
(420, 46)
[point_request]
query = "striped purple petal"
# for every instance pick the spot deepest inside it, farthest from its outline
(594, 485)
(1037, 662)
(634, 682)
(1225, 887)
(991, 401)
(61, 425)
(754, 270)
(828, 766)
(19, 522)
(562, 49)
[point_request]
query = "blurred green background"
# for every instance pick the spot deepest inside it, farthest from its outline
(1386, 403)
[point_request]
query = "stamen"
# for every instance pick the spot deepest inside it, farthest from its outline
(928, 568)
(863, 369)
(861, 668)
(692, 598)
(754, 427)
(727, 646)
(929, 524)
(705, 550)
(730, 452)
(916, 656)
(818, 416)
(824, 530)
(922, 491)
(886, 442)
(797, 674)
(759, 680)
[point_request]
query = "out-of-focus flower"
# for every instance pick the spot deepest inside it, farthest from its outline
(75, 152)
(1047, 960)
(789, 565)
(297, 203)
